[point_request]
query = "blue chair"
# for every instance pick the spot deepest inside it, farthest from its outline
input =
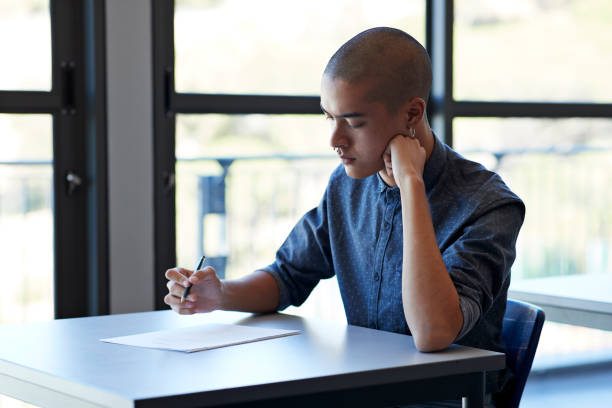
(521, 334)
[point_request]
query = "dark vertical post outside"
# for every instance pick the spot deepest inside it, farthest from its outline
(439, 26)
(211, 200)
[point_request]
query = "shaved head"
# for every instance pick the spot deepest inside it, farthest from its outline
(396, 65)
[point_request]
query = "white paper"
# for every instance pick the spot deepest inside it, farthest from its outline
(197, 338)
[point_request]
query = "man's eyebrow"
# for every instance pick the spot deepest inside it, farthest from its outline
(345, 115)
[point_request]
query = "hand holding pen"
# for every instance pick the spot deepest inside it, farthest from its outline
(193, 291)
(197, 268)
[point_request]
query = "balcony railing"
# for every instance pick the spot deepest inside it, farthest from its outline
(541, 177)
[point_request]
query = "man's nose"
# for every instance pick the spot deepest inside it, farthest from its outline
(338, 137)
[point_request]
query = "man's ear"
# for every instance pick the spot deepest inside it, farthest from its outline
(413, 112)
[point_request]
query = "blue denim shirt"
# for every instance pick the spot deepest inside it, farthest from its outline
(356, 234)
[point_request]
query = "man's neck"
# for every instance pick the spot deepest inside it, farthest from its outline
(427, 140)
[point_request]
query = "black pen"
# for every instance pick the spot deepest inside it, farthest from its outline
(197, 268)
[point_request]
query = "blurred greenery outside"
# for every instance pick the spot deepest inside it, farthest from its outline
(26, 220)
(568, 223)
(552, 50)
(25, 28)
(533, 50)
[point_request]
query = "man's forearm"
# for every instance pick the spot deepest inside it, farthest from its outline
(431, 303)
(255, 293)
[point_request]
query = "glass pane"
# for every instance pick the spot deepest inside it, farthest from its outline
(265, 194)
(565, 345)
(26, 222)
(26, 218)
(274, 46)
(533, 50)
(248, 135)
(562, 169)
(25, 27)
(8, 402)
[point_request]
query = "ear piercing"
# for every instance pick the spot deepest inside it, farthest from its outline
(411, 133)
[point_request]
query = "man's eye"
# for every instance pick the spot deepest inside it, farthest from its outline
(357, 125)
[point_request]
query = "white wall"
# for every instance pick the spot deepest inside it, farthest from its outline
(130, 154)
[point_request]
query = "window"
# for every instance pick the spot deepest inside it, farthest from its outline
(530, 100)
(273, 46)
(26, 220)
(560, 168)
(532, 51)
(26, 217)
(271, 180)
(27, 56)
(51, 189)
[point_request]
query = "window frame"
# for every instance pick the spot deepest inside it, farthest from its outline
(76, 102)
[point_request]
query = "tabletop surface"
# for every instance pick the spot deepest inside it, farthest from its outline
(584, 292)
(68, 354)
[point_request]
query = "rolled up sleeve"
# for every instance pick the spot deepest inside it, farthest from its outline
(479, 260)
(303, 259)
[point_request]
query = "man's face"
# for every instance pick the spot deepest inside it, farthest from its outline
(361, 129)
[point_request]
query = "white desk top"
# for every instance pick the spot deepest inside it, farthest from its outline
(584, 300)
(67, 356)
(588, 292)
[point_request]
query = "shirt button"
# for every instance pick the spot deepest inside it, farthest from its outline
(387, 224)
(376, 276)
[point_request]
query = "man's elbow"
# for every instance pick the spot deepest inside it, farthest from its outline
(437, 334)
(435, 338)
(432, 342)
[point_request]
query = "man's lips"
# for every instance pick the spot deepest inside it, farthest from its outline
(346, 159)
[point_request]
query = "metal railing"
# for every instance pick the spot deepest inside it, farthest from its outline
(541, 189)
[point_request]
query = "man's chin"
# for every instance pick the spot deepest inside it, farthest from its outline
(355, 173)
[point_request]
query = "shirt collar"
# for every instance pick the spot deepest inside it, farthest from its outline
(433, 168)
(435, 164)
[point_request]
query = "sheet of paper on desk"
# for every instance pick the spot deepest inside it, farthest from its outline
(197, 338)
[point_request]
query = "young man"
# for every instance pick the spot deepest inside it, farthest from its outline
(420, 239)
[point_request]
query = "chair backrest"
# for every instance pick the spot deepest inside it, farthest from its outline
(521, 334)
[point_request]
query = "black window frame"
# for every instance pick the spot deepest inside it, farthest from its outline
(442, 110)
(77, 104)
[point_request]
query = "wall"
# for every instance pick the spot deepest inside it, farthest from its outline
(130, 154)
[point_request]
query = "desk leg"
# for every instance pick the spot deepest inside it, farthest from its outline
(476, 391)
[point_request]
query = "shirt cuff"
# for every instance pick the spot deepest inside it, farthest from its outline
(471, 314)
(283, 293)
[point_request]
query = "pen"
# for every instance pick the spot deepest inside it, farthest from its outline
(188, 288)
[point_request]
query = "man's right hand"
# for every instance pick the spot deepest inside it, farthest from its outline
(204, 296)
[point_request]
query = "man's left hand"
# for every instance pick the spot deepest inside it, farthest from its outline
(404, 157)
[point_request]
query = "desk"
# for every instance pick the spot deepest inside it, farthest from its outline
(583, 300)
(62, 363)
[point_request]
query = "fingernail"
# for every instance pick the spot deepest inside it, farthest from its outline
(191, 298)
(194, 279)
